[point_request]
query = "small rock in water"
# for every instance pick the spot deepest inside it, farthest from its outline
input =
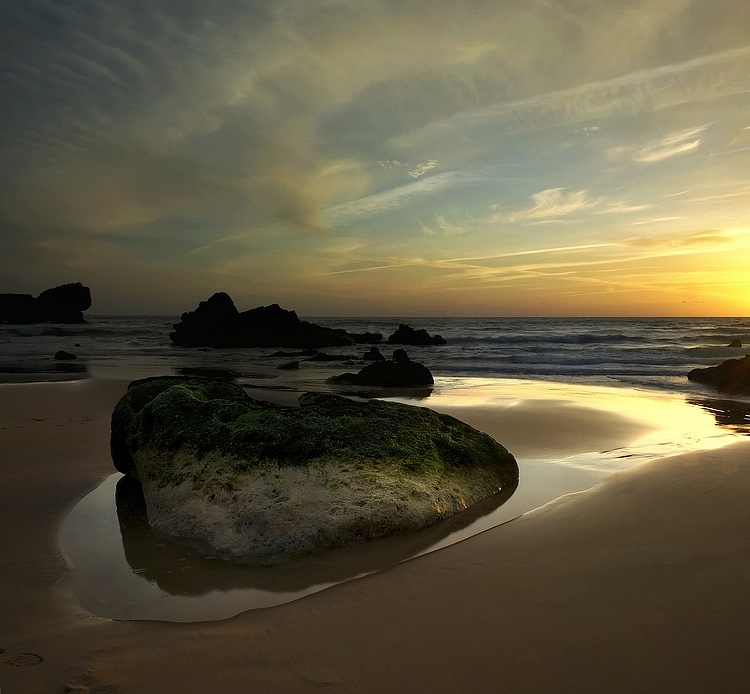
(62, 355)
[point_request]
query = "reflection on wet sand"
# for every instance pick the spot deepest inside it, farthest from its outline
(179, 570)
(733, 414)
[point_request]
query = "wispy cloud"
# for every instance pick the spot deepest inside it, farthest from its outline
(395, 198)
(442, 262)
(670, 146)
(442, 227)
(656, 220)
(698, 241)
(709, 77)
(554, 203)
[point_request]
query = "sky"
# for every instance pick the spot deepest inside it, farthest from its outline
(379, 157)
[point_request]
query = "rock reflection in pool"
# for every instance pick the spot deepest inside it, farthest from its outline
(124, 570)
(732, 414)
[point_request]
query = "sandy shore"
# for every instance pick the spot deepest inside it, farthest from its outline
(638, 585)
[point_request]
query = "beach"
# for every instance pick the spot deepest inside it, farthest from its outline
(638, 584)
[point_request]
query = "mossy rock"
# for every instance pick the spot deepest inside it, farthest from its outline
(261, 483)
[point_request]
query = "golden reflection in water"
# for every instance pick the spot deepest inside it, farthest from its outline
(539, 420)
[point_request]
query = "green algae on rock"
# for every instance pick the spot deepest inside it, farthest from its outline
(261, 483)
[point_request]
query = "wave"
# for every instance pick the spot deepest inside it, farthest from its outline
(580, 339)
(718, 338)
(82, 331)
(718, 352)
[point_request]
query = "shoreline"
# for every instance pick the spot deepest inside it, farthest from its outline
(656, 556)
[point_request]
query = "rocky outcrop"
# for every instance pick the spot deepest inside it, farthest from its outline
(400, 372)
(261, 483)
(406, 335)
(731, 376)
(735, 344)
(63, 304)
(373, 354)
(217, 323)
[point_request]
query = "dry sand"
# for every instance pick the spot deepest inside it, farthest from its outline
(638, 585)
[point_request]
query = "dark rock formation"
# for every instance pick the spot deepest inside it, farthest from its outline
(366, 338)
(735, 343)
(373, 354)
(406, 335)
(731, 376)
(400, 372)
(289, 366)
(62, 355)
(217, 323)
(261, 483)
(63, 304)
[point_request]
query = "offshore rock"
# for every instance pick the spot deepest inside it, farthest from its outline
(62, 355)
(731, 376)
(63, 304)
(373, 354)
(217, 323)
(400, 372)
(260, 483)
(406, 335)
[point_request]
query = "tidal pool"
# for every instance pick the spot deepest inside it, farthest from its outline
(565, 438)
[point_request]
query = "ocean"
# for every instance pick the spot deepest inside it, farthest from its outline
(643, 353)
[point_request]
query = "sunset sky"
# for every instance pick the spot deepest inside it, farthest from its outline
(378, 157)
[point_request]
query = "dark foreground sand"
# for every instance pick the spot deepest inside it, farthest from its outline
(639, 585)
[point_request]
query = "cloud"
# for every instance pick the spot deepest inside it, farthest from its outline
(446, 262)
(670, 146)
(657, 220)
(442, 227)
(622, 207)
(694, 240)
(395, 198)
(554, 203)
(721, 74)
(423, 168)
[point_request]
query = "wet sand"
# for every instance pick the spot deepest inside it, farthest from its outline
(639, 584)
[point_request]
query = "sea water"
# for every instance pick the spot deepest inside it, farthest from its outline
(652, 353)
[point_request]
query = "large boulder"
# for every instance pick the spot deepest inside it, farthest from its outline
(406, 335)
(63, 304)
(399, 372)
(261, 483)
(731, 376)
(217, 323)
